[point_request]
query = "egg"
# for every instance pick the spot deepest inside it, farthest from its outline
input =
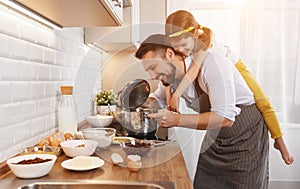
(134, 158)
(68, 136)
(43, 142)
(134, 166)
(134, 163)
(116, 158)
(56, 142)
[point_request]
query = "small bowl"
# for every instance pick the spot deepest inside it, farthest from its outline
(104, 136)
(73, 148)
(33, 170)
(100, 120)
(137, 147)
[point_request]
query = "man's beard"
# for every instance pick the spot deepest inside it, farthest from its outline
(170, 77)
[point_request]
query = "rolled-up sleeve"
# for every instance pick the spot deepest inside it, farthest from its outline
(218, 81)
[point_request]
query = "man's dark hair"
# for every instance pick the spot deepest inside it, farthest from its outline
(156, 43)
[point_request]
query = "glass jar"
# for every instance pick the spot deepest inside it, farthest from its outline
(67, 122)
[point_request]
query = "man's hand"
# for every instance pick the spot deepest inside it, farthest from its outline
(166, 118)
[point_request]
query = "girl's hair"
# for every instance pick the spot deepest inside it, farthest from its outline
(182, 20)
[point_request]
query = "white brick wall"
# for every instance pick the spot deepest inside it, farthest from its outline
(34, 62)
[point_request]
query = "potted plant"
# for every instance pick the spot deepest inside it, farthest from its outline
(105, 102)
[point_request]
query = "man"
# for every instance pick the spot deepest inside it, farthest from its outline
(161, 62)
(175, 63)
(234, 152)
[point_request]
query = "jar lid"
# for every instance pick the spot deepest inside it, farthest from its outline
(66, 90)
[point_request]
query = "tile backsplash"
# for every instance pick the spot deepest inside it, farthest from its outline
(34, 62)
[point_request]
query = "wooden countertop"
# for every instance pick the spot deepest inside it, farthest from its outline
(163, 163)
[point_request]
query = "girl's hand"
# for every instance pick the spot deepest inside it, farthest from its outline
(166, 118)
(174, 103)
(168, 95)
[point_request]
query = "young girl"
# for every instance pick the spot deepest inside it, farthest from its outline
(180, 26)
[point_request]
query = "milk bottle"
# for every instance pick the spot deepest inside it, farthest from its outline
(67, 122)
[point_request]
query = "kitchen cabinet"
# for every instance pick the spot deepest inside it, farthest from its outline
(139, 22)
(77, 13)
(112, 38)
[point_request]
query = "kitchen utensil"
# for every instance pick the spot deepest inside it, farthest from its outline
(82, 163)
(104, 136)
(32, 170)
(100, 120)
(67, 122)
(137, 147)
(73, 148)
(131, 115)
(134, 94)
(139, 125)
(119, 140)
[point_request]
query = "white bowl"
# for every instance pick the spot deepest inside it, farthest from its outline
(104, 136)
(73, 148)
(31, 170)
(100, 120)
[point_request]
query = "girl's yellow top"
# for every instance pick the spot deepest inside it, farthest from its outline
(262, 101)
